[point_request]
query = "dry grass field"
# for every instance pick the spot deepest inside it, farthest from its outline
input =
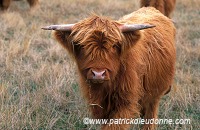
(38, 81)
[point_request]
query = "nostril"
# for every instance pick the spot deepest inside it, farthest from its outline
(93, 72)
(104, 73)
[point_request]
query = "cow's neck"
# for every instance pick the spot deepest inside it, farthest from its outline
(96, 98)
(102, 100)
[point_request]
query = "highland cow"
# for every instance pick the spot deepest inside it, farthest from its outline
(164, 6)
(4, 4)
(125, 66)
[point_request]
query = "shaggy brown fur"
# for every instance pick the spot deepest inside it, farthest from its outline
(164, 6)
(4, 4)
(140, 64)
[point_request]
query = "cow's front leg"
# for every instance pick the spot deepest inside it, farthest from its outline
(120, 120)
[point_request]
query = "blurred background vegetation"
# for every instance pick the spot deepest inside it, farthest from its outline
(38, 81)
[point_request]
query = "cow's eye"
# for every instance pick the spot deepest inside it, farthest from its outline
(77, 48)
(117, 48)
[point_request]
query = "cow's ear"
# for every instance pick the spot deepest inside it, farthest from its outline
(132, 32)
(63, 37)
(131, 38)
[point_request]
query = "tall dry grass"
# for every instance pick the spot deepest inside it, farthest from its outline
(38, 81)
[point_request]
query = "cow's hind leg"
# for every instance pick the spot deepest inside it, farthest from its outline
(150, 109)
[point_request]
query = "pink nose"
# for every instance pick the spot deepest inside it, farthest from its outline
(98, 74)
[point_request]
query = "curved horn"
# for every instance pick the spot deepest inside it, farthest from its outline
(64, 27)
(134, 27)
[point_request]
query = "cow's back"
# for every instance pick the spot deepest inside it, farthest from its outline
(155, 49)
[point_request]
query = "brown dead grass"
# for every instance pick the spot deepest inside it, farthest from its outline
(38, 81)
